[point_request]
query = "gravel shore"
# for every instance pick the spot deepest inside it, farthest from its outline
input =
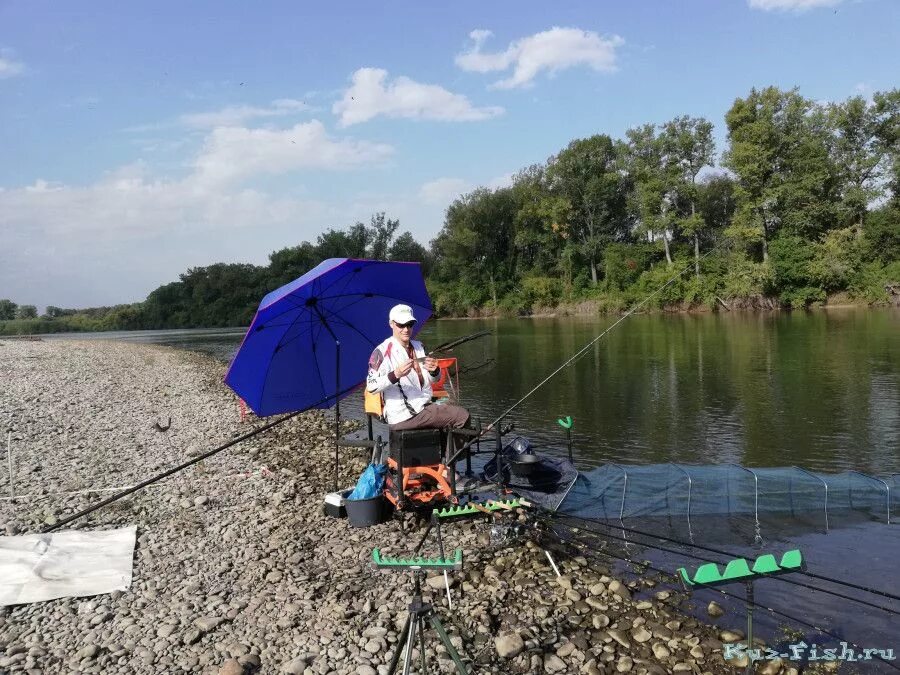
(237, 570)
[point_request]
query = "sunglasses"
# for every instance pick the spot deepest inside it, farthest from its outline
(405, 325)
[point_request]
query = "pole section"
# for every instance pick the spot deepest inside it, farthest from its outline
(337, 411)
(12, 489)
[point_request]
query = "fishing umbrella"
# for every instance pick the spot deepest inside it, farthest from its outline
(309, 343)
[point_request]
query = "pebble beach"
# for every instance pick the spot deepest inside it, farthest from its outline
(237, 569)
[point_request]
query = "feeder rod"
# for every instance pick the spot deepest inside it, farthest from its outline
(337, 409)
(12, 490)
(750, 628)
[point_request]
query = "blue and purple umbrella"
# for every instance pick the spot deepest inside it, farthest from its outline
(310, 341)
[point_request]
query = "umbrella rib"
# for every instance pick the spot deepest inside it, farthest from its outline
(312, 344)
(282, 342)
(341, 320)
(367, 295)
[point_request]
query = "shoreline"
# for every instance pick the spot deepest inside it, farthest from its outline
(236, 568)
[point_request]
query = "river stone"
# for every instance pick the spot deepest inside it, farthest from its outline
(600, 620)
(366, 670)
(87, 652)
(597, 589)
(615, 586)
(554, 664)
(293, 667)
(624, 664)
(641, 634)
(231, 667)
(565, 650)
(621, 637)
(436, 582)
(509, 645)
(660, 651)
(208, 623)
(714, 609)
(731, 635)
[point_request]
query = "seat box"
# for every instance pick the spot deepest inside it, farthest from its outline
(417, 447)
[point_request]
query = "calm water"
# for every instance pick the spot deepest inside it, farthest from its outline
(820, 390)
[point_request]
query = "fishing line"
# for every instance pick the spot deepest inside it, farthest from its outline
(647, 565)
(889, 610)
(581, 352)
(730, 554)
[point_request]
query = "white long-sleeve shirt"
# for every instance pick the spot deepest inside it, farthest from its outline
(385, 358)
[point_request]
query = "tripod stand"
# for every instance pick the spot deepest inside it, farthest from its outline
(421, 615)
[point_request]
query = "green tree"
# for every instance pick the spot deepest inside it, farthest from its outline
(866, 134)
(589, 174)
(7, 310)
(405, 248)
(779, 150)
(653, 195)
(26, 312)
(381, 233)
(688, 146)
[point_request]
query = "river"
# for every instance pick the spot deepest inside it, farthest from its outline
(816, 389)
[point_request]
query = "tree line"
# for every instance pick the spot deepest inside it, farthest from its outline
(802, 203)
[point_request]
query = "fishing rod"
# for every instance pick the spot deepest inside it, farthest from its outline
(165, 474)
(731, 554)
(578, 354)
(199, 458)
(447, 346)
(646, 565)
(663, 549)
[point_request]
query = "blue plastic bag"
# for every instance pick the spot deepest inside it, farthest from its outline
(370, 483)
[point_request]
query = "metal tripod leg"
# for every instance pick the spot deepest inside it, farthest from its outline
(439, 629)
(395, 659)
(410, 644)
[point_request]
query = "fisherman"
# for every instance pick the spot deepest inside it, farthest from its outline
(400, 370)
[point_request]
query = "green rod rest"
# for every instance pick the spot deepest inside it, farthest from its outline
(741, 570)
(468, 509)
(454, 563)
(565, 422)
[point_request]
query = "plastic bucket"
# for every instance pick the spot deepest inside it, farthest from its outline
(367, 512)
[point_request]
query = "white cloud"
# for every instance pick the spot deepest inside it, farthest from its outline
(790, 5)
(551, 51)
(9, 67)
(233, 153)
(370, 95)
(237, 115)
(117, 238)
(442, 191)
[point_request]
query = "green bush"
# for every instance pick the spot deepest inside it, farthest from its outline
(837, 259)
(541, 291)
(881, 235)
(745, 278)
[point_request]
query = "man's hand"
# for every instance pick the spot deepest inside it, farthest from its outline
(431, 364)
(403, 369)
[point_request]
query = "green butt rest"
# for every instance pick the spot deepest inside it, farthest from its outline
(740, 570)
(419, 562)
(468, 509)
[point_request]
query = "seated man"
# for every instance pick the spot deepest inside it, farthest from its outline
(402, 373)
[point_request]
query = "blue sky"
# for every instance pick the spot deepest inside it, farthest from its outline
(139, 139)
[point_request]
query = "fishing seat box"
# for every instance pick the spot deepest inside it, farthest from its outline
(417, 447)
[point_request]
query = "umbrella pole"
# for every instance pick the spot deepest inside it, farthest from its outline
(337, 412)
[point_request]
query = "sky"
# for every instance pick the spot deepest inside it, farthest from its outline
(140, 139)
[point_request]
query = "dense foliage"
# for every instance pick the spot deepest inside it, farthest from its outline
(806, 204)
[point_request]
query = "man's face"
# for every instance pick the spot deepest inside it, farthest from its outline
(402, 331)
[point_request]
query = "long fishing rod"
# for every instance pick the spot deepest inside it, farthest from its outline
(181, 467)
(663, 549)
(578, 354)
(753, 603)
(447, 346)
(731, 554)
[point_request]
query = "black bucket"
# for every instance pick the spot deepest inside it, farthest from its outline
(367, 512)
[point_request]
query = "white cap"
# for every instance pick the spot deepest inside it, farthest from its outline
(401, 314)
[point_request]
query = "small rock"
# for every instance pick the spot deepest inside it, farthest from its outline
(624, 664)
(208, 623)
(87, 652)
(565, 650)
(641, 634)
(231, 667)
(660, 651)
(293, 667)
(731, 635)
(509, 645)
(615, 586)
(714, 609)
(554, 664)
(201, 501)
